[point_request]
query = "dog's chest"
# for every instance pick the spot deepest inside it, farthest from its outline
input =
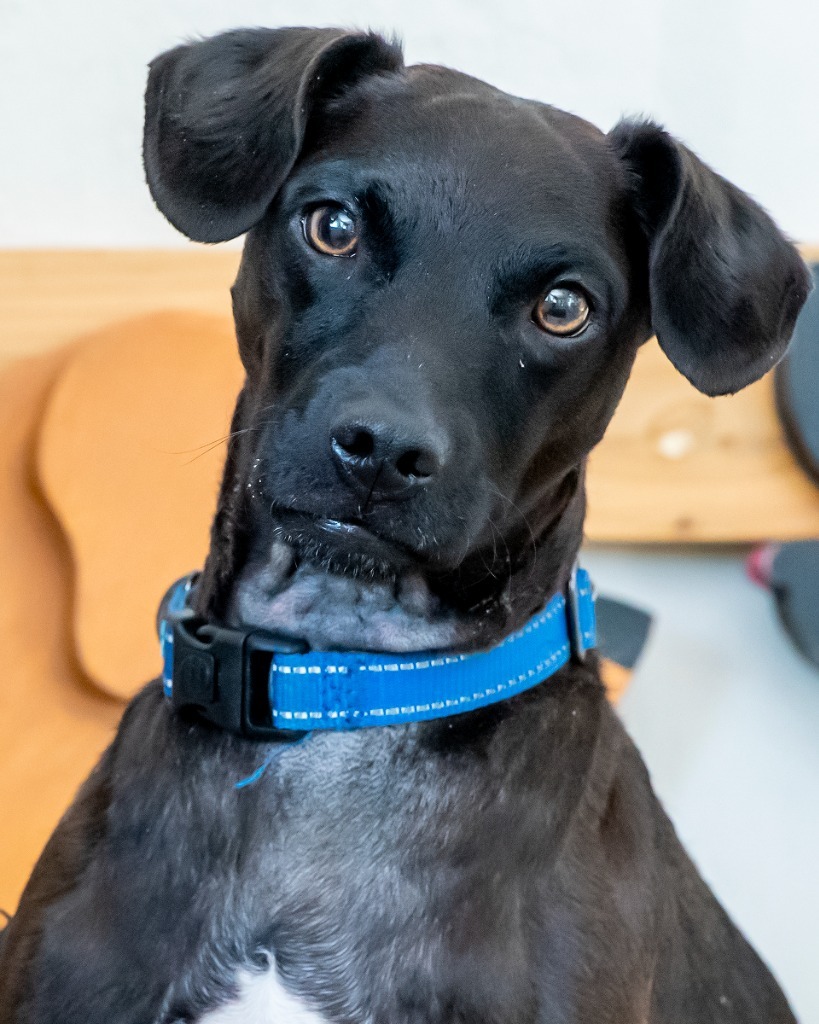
(263, 999)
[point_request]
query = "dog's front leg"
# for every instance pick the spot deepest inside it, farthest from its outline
(124, 916)
(55, 884)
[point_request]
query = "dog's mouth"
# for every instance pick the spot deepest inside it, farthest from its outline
(340, 586)
(344, 547)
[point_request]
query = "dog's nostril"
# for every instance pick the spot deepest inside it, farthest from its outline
(385, 457)
(416, 463)
(360, 444)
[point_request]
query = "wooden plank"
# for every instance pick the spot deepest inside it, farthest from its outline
(674, 466)
(48, 297)
(53, 723)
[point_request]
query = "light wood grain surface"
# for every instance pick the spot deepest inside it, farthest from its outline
(674, 466)
(48, 297)
(53, 723)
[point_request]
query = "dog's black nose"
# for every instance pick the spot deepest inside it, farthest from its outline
(387, 459)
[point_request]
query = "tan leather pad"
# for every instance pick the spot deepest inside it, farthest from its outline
(130, 457)
(53, 723)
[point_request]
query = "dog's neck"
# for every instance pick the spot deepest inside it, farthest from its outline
(492, 597)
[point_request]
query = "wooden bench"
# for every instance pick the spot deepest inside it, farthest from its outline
(674, 466)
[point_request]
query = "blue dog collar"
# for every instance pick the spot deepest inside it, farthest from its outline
(263, 686)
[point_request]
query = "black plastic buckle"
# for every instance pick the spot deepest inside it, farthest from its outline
(222, 674)
(576, 642)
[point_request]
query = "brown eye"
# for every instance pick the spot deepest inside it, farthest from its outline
(562, 311)
(332, 230)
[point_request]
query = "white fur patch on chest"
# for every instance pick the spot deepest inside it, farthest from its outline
(263, 999)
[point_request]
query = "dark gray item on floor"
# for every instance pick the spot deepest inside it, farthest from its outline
(795, 383)
(795, 584)
(622, 631)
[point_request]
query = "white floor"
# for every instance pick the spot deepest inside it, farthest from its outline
(726, 714)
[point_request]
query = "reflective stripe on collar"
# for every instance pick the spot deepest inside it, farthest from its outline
(260, 685)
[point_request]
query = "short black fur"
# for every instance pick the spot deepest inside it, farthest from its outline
(509, 866)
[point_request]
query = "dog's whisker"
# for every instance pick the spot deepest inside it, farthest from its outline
(209, 445)
(507, 554)
(520, 512)
(494, 560)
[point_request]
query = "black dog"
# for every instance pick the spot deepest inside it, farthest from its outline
(442, 293)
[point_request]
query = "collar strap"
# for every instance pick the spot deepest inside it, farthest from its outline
(264, 686)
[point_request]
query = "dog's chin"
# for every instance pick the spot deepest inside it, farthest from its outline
(340, 588)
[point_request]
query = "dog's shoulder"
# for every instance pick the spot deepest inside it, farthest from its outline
(111, 876)
(58, 872)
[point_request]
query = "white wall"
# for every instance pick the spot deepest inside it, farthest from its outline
(737, 79)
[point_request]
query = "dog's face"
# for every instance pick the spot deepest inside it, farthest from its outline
(442, 293)
(430, 355)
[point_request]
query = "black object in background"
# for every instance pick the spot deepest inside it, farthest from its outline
(794, 582)
(796, 385)
(622, 631)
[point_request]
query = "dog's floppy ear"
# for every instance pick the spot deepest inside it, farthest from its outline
(225, 118)
(725, 286)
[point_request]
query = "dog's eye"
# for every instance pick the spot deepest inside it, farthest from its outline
(563, 311)
(332, 230)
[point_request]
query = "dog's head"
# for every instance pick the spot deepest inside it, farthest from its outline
(442, 292)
